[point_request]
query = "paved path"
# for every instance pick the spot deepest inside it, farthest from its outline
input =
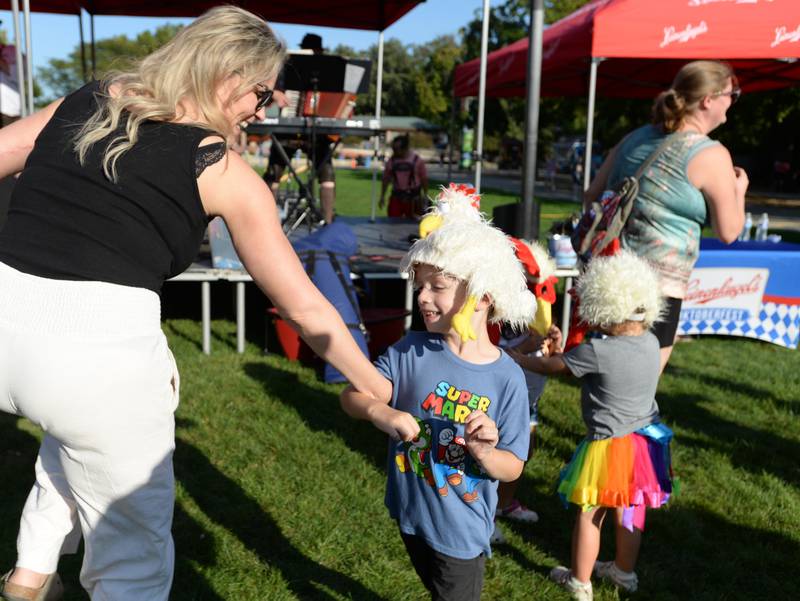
(783, 209)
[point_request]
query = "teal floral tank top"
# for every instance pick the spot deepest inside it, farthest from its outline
(669, 212)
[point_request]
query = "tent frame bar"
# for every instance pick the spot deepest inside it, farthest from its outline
(482, 95)
(587, 154)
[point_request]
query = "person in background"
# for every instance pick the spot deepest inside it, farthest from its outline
(693, 179)
(622, 466)
(120, 178)
(406, 173)
(456, 406)
(321, 151)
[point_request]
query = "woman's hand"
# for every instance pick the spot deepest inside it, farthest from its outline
(742, 181)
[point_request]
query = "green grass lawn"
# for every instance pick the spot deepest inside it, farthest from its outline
(280, 495)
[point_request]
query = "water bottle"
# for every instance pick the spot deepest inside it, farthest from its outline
(748, 224)
(762, 227)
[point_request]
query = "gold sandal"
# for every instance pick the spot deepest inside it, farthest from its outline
(51, 590)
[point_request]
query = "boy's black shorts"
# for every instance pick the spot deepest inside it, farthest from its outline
(447, 578)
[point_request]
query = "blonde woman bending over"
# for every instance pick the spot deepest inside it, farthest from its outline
(118, 181)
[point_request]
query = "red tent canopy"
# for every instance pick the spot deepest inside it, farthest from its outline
(645, 42)
(351, 14)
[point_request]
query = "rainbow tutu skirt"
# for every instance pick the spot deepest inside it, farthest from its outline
(632, 471)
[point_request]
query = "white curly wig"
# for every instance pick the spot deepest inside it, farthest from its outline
(469, 248)
(617, 289)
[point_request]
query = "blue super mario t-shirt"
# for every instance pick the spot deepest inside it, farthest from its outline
(435, 489)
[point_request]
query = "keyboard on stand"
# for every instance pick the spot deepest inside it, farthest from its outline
(366, 126)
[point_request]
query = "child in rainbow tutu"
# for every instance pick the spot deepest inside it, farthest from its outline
(623, 465)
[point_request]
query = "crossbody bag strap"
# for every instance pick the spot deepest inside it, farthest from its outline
(668, 139)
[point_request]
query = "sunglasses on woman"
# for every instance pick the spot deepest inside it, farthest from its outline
(263, 95)
(734, 94)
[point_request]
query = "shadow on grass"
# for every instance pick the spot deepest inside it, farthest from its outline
(687, 553)
(321, 411)
(739, 386)
(224, 502)
(18, 452)
(690, 552)
(753, 450)
(174, 330)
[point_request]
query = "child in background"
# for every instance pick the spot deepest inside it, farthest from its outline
(540, 271)
(455, 405)
(623, 464)
(407, 174)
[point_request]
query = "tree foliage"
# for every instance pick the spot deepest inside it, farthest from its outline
(116, 53)
(418, 80)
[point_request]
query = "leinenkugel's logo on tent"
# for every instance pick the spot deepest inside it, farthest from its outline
(717, 294)
(784, 34)
(704, 2)
(673, 34)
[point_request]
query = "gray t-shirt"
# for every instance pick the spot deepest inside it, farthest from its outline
(619, 376)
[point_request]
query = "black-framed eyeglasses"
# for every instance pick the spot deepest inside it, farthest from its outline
(264, 96)
(734, 94)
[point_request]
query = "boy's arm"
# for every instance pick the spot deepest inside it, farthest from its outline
(400, 425)
(481, 436)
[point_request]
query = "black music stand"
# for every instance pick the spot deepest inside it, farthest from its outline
(316, 73)
(309, 73)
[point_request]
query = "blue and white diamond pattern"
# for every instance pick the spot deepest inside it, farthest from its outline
(777, 323)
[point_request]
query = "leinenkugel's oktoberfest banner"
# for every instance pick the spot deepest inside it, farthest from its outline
(748, 289)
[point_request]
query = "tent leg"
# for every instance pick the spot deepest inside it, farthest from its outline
(587, 155)
(26, 10)
(23, 109)
(376, 139)
(91, 29)
(83, 46)
(482, 94)
(530, 209)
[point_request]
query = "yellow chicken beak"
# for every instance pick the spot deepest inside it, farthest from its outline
(544, 317)
(462, 321)
(429, 224)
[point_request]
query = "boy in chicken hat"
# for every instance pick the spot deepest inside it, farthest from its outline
(468, 395)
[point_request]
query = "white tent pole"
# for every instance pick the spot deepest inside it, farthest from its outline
(26, 10)
(587, 158)
(530, 218)
(482, 94)
(376, 139)
(23, 110)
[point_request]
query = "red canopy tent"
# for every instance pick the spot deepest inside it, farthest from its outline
(642, 44)
(352, 14)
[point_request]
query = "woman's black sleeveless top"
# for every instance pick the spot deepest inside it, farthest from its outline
(67, 221)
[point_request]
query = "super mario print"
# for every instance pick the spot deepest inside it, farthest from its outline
(439, 453)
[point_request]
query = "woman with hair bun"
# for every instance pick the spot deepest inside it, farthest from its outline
(691, 180)
(118, 182)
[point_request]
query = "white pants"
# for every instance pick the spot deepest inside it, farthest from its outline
(88, 363)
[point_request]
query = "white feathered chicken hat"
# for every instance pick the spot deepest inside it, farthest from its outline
(457, 238)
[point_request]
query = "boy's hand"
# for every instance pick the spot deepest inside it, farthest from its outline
(480, 434)
(400, 425)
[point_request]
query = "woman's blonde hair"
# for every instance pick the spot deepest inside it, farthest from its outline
(694, 81)
(223, 42)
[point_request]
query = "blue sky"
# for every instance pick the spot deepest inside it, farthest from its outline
(54, 36)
